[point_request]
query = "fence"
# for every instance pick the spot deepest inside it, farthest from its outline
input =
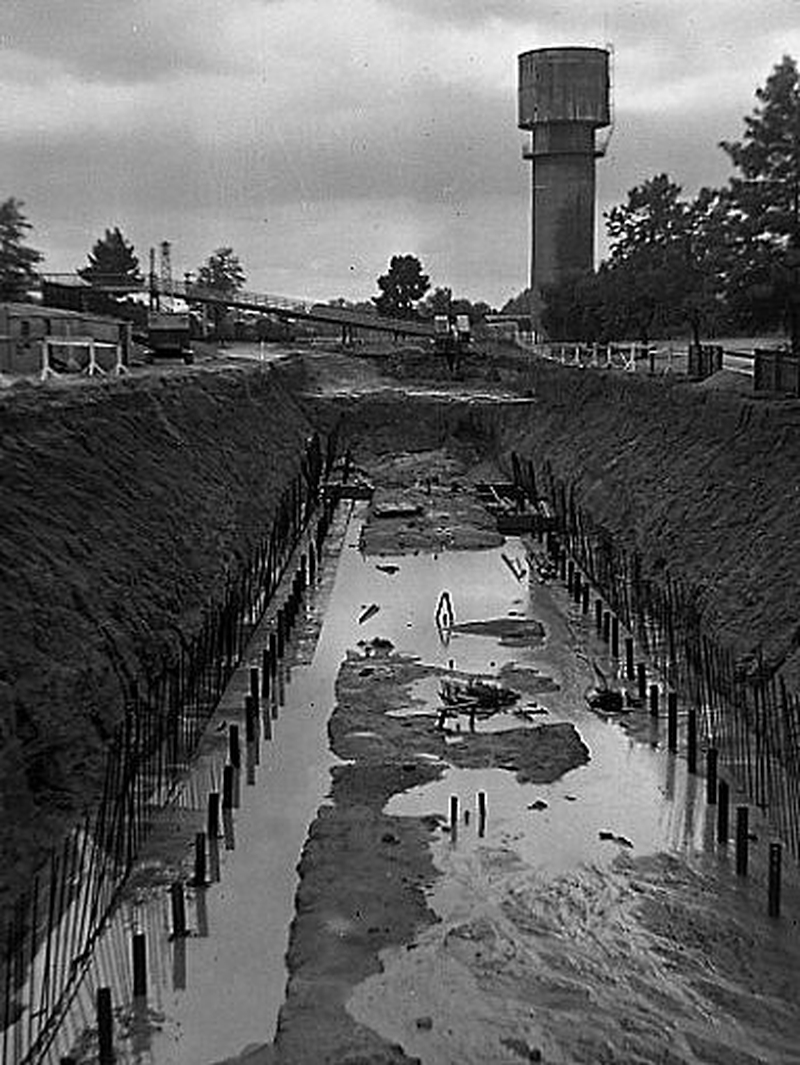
(599, 356)
(54, 926)
(746, 714)
(776, 371)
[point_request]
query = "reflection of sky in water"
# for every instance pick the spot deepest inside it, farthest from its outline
(220, 991)
(628, 788)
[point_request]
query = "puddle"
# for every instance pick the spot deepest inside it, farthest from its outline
(220, 991)
(566, 832)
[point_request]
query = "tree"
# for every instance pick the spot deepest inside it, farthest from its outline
(440, 301)
(401, 287)
(17, 261)
(766, 195)
(222, 271)
(665, 267)
(112, 261)
(579, 308)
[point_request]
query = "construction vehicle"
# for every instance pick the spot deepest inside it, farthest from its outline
(451, 336)
(168, 336)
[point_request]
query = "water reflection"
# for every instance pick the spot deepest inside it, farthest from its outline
(222, 988)
(179, 964)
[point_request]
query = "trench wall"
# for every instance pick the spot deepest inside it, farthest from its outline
(705, 484)
(124, 504)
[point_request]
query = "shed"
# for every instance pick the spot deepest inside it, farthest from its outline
(24, 327)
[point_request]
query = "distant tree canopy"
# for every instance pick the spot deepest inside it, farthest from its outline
(765, 196)
(442, 301)
(401, 287)
(223, 271)
(17, 260)
(729, 258)
(112, 261)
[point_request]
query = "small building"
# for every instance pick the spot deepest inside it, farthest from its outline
(514, 328)
(26, 328)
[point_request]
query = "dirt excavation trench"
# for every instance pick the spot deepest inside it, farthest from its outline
(572, 908)
(588, 918)
(441, 854)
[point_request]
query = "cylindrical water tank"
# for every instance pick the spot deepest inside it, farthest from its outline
(563, 99)
(563, 85)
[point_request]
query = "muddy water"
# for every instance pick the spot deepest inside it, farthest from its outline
(218, 992)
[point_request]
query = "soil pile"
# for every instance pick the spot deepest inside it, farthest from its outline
(364, 874)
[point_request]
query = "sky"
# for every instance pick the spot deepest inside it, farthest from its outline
(320, 137)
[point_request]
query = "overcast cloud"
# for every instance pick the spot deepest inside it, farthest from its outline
(319, 138)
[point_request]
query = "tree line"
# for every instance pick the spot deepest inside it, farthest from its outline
(113, 261)
(726, 260)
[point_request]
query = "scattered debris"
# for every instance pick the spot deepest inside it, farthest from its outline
(445, 615)
(376, 646)
(605, 701)
(368, 613)
(515, 566)
(396, 509)
(476, 693)
(528, 713)
(521, 1048)
(623, 841)
(539, 804)
(546, 570)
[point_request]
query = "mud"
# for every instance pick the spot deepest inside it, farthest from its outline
(365, 875)
(644, 962)
(124, 502)
(444, 516)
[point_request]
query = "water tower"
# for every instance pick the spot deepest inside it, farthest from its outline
(563, 99)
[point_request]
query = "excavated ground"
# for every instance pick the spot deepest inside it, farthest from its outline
(701, 479)
(124, 502)
(407, 949)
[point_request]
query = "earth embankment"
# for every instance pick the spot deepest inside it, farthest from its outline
(125, 501)
(124, 504)
(703, 482)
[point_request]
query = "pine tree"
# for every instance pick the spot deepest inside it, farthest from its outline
(222, 271)
(112, 261)
(401, 287)
(17, 261)
(766, 195)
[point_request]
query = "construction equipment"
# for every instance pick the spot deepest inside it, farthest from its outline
(168, 336)
(452, 336)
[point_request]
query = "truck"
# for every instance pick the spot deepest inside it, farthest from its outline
(168, 336)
